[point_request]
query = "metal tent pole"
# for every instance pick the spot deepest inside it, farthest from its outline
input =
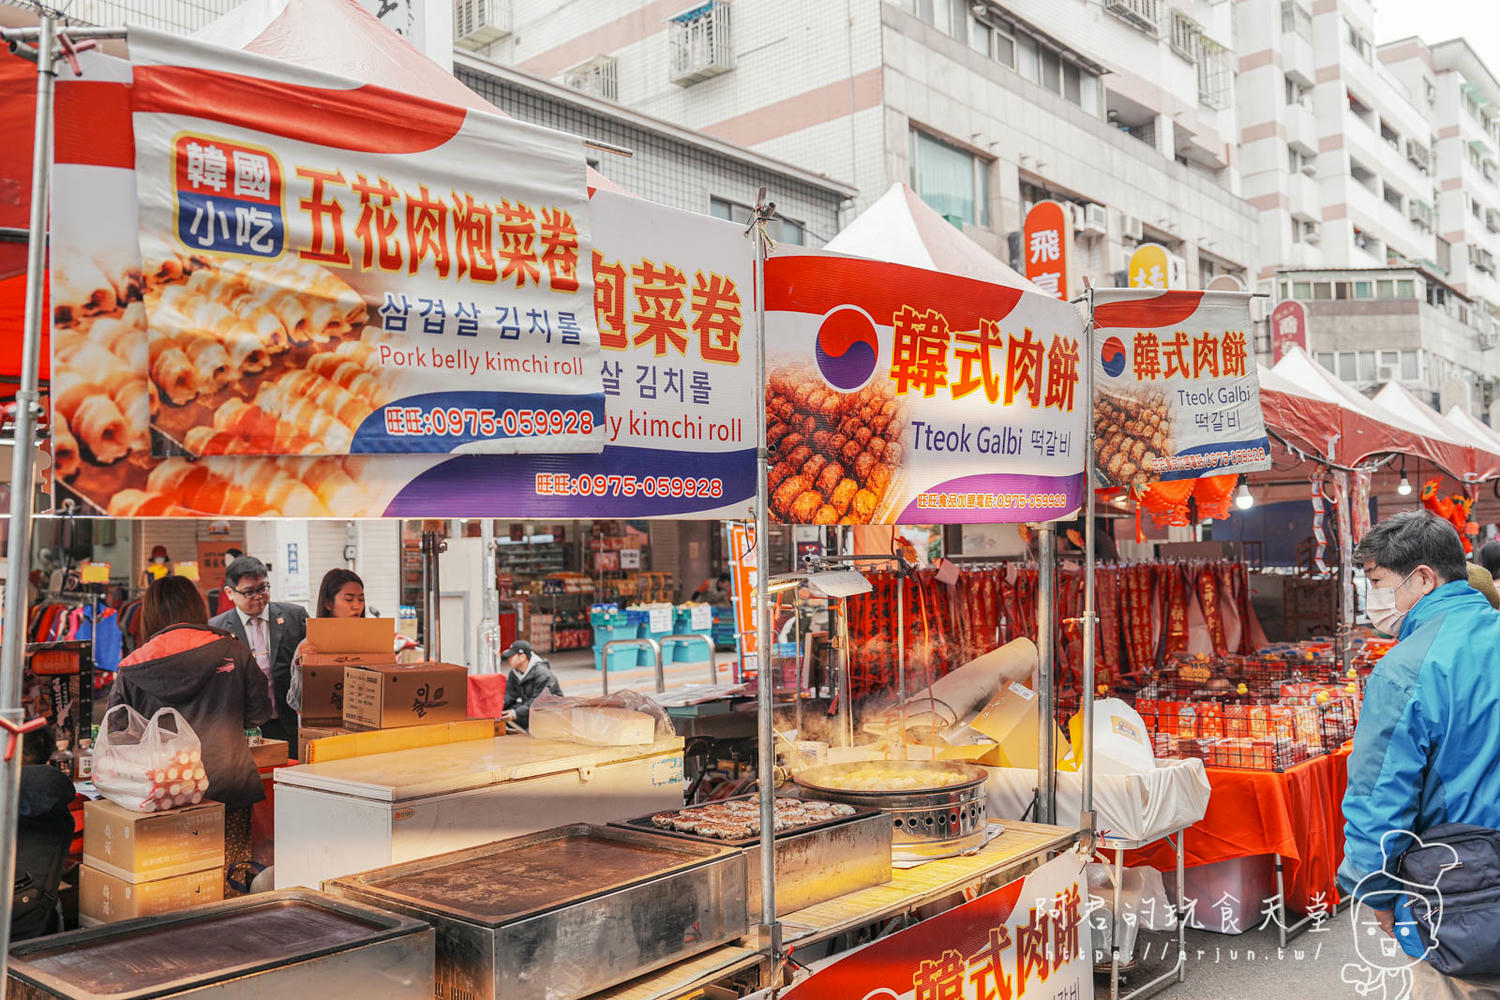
(1046, 628)
(22, 465)
(1090, 598)
(769, 929)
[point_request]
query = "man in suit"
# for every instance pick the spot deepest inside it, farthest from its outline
(272, 630)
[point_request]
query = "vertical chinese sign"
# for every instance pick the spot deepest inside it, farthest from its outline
(1047, 243)
(1152, 266)
(1288, 328)
(1028, 938)
(1176, 393)
(901, 396)
(320, 280)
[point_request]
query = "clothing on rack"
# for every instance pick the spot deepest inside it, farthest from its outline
(106, 637)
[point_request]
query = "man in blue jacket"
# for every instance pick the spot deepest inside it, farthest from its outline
(1427, 749)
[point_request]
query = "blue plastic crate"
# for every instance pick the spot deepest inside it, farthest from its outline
(619, 659)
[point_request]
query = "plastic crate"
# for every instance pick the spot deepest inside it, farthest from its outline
(619, 659)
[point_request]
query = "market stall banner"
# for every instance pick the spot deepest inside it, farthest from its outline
(672, 294)
(1175, 390)
(334, 269)
(690, 409)
(1028, 938)
(898, 395)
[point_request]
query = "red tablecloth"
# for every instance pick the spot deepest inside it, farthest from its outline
(1297, 814)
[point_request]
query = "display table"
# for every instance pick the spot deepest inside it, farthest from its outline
(1020, 848)
(1297, 816)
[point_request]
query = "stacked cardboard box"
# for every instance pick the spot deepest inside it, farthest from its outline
(395, 695)
(340, 643)
(139, 864)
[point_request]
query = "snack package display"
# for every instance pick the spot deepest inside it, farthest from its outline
(625, 718)
(149, 766)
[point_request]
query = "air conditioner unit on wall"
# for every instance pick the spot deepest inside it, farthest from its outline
(477, 23)
(1130, 227)
(1312, 233)
(1390, 373)
(1095, 219)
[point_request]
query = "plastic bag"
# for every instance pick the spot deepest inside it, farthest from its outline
(1143, 906)
(149, 766)
(624, 718)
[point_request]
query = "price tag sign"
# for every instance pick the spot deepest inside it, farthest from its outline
(92, 572)
(661, 619)
(630, 558)
(702, 616)
(187, 569)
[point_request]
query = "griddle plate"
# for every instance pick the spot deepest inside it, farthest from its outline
(200, 950)
(499, 886)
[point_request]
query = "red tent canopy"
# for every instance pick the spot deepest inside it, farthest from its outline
(1308, 406)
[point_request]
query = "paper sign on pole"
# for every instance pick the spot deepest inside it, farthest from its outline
(903, 396)
(1176, 393)
(1030, 938)
(316, 283)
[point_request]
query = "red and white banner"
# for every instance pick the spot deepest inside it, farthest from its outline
(898, 395)
(358, 270)
(694, 399)
(1175, 389)
(1028, 938)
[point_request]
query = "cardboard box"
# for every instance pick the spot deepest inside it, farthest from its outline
(323, 684)
(143, 847)
(388, 697)
(371, 636)
(270, 753)
(106, 898)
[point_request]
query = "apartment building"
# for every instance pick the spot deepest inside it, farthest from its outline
(1334, 150)
(1124, 108)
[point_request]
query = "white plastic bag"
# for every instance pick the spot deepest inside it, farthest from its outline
(1143, 906)
(148, 766)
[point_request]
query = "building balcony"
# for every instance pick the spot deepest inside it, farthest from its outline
(1301, 126)
(1297, 56)
(1305, 197)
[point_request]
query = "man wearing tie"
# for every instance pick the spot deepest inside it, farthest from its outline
(273, 632)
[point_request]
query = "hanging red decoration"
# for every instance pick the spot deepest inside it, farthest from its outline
(1167, 502)
(1454, 509)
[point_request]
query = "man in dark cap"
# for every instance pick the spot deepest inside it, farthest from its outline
(530, 676)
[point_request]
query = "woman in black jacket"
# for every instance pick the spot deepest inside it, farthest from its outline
(210, 677)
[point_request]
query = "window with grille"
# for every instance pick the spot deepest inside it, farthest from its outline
(700, 43)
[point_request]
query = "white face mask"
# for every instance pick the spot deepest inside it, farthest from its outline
(1380, 606)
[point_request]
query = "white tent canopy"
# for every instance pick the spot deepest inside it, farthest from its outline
(903, 229)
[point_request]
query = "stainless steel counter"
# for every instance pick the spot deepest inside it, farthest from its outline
(564, 913)
(296, 943)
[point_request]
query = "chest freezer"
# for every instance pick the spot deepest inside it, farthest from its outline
(347, 816)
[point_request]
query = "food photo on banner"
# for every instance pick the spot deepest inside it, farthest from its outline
(675, 371)
(1175, 389)
(897, 395)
